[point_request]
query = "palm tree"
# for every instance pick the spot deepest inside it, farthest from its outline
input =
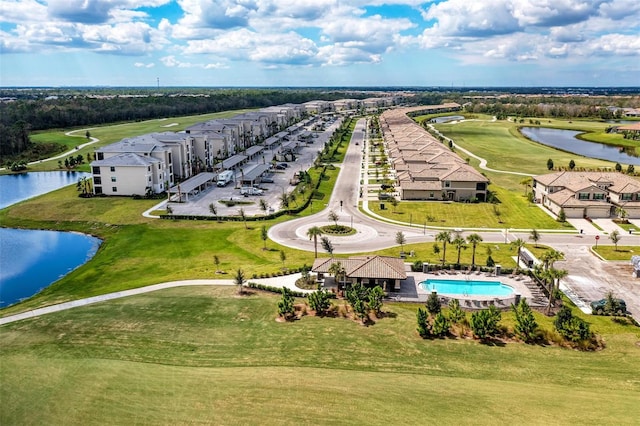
(549, 257)
(535, 236)
(519, 244)
(264, 205)
(460, 244)
(337, 271)
(285, 200)
(444, 237)
(327, 245)
(474, 240)
(314, 232)
(555, 275)
(527, 183)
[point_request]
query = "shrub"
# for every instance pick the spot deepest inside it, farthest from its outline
(423, 323)
(433, 304)
(456, 314)
(417, 266)
(484, 323)
(570, 327)
(440, 325)
(526, 325)
(319, 301)
(285, 306)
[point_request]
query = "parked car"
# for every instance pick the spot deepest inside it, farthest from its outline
(384, 196)
(266, 179)
(385, 186)
(281, 166)
(599, 307)
(249, 190)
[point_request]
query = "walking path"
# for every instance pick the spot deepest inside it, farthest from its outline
(288, 281)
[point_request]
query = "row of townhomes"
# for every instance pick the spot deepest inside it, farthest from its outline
(425, 168)
(588, 194)
(157, 162)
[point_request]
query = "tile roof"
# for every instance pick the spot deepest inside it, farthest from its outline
(377, 267)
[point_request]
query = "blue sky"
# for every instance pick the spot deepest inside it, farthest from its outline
(320, 43)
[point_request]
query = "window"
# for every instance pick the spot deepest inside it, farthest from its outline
(583, 196)
(97, 180)
(100, 156)
(431, 195)
(113, 178)
(481, 186)
(627, 196)
(114, 189)
(598, 196)
(447, 184)
(97, 189)
(96, 170)
(112, 168)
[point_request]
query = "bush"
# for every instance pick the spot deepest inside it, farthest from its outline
(570, 327)
(319, 301)
(433, 304)
(417, 266)
(484, 323)
(423, 323)
(440, 326)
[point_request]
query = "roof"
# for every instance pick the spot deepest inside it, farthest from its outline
(193, 182)
(614, 181)
(253, 150)
(377, 267)
(232, 161)
(252, 173)
(127, 159)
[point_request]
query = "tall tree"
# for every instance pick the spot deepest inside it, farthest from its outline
(333, 217)
(526, 182)
(526, 325)
(239, 280)
(401, 240)
(444, 237)
(337, 270)
(243, 215)
(518, 244)
(327, 245)
(264, 205)
(213, 210)
(264, 234)
(313, 233)
(283, 257)
(535, 236)
(216, 261)
(461, 244)
(474, 240)
(615, 238)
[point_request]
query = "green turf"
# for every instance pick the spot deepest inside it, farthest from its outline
(609, 252)
(204, 355)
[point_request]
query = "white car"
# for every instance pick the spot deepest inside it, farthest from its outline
(250, 191)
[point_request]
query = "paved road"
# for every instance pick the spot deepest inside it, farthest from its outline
(589, 277)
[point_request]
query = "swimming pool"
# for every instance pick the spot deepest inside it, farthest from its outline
(467, 287)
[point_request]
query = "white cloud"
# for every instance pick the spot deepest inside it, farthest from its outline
(171, 61)
(143, 65)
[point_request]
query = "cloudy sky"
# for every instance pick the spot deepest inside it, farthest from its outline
(320, 42)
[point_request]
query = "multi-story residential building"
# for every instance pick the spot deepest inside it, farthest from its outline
(588, 194)
(425, 168)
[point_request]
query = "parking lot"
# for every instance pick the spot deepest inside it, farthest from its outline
(198, 204)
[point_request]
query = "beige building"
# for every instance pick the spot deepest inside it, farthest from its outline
(425, 168)
(588, 194)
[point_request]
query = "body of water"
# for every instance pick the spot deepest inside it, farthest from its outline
(467, 287)
(32, 259)
(447, 118)
(22, 186)
(566, 140)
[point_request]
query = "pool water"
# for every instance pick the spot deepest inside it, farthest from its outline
(467, 287)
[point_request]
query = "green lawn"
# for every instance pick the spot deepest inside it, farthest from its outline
(513, 211)
(505, 148)
(204, 355)
(115, 132)
(609, 252)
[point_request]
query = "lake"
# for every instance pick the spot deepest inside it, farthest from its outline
(446, 119)
(566, 140)
(32, 259)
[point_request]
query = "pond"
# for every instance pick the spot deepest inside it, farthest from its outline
(32, 259)
(446, 119)
(566, 140)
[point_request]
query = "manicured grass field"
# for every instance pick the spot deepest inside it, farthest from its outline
(513, 209)
(505, 148)
(609, 252)
(114, 132)
(205, 355)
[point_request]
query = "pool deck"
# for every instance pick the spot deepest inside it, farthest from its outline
(411, 291)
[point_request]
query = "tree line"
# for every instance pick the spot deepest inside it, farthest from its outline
(32, 111)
